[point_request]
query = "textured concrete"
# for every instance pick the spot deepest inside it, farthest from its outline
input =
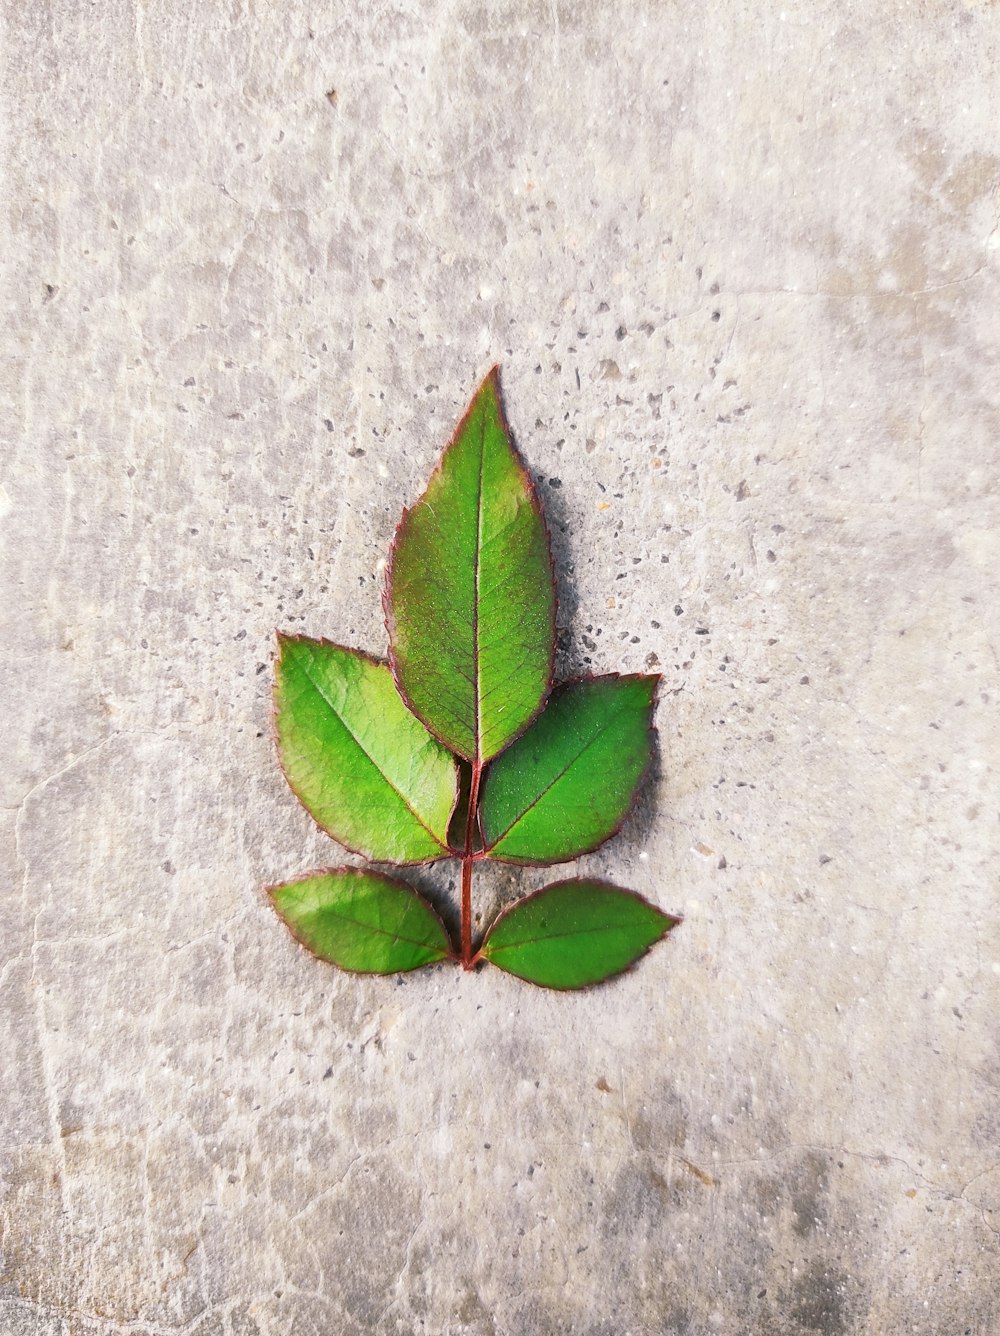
(741, 267)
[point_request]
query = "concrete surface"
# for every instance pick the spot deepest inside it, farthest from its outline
(741, 267)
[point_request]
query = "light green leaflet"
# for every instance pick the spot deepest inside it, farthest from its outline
(574, 933)
(366, 769)
(470, 603)
(362, 921)
(567, 784)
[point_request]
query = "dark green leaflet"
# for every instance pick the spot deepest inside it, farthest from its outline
(574, 933)
(568, 782)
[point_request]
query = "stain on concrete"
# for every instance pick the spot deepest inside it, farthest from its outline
(818, 1301)
(809, 1193)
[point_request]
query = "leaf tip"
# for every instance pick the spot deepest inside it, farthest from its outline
(284, 640)
(669, 921)
(490, 385)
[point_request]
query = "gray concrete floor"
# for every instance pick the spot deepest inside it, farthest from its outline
(741, 267)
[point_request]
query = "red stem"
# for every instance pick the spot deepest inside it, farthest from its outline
(467, 860)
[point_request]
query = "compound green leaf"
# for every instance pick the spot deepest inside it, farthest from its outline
(574, 933)
(470, 602)
(369, 772)
(362, 921)
(567, 784)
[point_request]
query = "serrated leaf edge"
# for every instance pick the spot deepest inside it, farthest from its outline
(652, 733)
(494, 375)
(446, 850)
(270, 890)
(671, 921)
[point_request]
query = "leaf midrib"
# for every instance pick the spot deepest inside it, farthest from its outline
(363, 923)
(369, 757)
(476, 581)
(551, 937)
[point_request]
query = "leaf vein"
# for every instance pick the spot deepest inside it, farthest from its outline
(553, 936)
(556, 778)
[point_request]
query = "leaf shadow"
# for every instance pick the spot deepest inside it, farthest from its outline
(556, 514)
(440, 885)
(637, 826)
(496, 886)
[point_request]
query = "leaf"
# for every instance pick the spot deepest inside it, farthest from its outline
(574, 933)
(567, 784)
(362, 921)
(470, 602)
(366, 769)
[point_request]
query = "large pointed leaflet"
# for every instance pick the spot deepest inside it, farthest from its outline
(566, 785)
(470, 602)
(574, 933)
(362, 921)
(366, 769)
